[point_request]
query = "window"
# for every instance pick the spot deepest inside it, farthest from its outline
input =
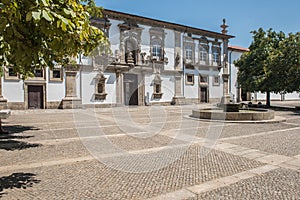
(157, 88)
(100, 88)
(203, 79)
(216, 51)
(157, 44)
(216, 81)
(156, 49)
(10, 74)
(39, 73)
(56, 74)
(189, 52)
(189, 79)
(203, 52)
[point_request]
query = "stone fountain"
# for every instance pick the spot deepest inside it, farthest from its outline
(228, 110)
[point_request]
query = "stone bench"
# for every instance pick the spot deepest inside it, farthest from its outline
(4, 114)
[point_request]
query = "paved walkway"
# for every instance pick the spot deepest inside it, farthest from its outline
(147, 153)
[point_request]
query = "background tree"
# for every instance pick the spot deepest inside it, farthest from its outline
(289, 60)
(261, 68)
(40, 33)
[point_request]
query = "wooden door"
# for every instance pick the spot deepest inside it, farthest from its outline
(35, 97)
(203, 94)
(130, 89)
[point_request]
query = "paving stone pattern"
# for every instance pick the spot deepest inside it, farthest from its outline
(47, 156)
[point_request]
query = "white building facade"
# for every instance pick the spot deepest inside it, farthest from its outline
(152, 62)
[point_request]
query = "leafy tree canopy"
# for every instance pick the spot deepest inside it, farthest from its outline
(40, 33)
(272, 64)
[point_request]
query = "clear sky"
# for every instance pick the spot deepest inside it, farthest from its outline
(241, 16)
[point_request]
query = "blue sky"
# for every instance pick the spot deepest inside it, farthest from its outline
(241, 16)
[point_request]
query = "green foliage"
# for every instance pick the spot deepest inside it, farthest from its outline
(272, 64)
(38, 33)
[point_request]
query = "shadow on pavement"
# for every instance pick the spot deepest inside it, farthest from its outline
(17, 180)
(9, 140)
(12, 145)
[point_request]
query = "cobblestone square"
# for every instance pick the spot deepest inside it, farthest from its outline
(146, 153)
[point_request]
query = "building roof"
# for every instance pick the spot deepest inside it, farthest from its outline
(159, 23)
(237, 48)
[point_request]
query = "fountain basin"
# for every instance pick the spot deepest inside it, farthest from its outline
(252, 114)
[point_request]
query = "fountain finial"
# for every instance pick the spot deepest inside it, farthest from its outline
(224, 27)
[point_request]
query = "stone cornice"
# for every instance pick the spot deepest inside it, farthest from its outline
(163, 24)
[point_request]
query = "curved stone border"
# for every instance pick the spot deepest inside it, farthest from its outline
(257, 115)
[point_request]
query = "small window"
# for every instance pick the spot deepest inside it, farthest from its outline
(156, 49)
(203, 53)
(56, 75)
(189, 52)
(100, 87)
(39, 73)
(157, 88)
(216, 55)
(189, 79)
(11, 72)
(217, 80)
(203, 79)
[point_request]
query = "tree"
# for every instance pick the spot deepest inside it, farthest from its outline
(263, 67)
(41, 33)
(289, 60)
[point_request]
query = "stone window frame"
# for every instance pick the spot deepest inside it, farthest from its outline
(100, 85)
(187, 81)
(157, 37)
(216, 81)
(201, 77)
(54, 79)
(7, 75)
(216, 53)
(37, 78)
(203, 45)
(189, 42)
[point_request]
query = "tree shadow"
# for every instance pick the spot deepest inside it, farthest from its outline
(9, 140)
(14, 129)
(17, 180)
(12, 145)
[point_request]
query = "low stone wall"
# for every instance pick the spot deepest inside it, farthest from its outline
(248, 115)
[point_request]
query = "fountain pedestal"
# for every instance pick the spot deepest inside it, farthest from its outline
(231, 107)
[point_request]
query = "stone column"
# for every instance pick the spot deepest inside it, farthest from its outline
(225, 75)
(178, 98)
(3, 102)
(141, 89)
(71, 99)
(119, 87)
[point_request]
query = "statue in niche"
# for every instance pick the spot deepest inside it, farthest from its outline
(177, 59)
(143, 55)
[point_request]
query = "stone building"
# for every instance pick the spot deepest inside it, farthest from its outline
(151, 62)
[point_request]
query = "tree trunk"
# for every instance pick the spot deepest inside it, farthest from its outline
(268, 100)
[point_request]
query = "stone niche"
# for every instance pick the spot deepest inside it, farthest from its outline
(100, 93)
